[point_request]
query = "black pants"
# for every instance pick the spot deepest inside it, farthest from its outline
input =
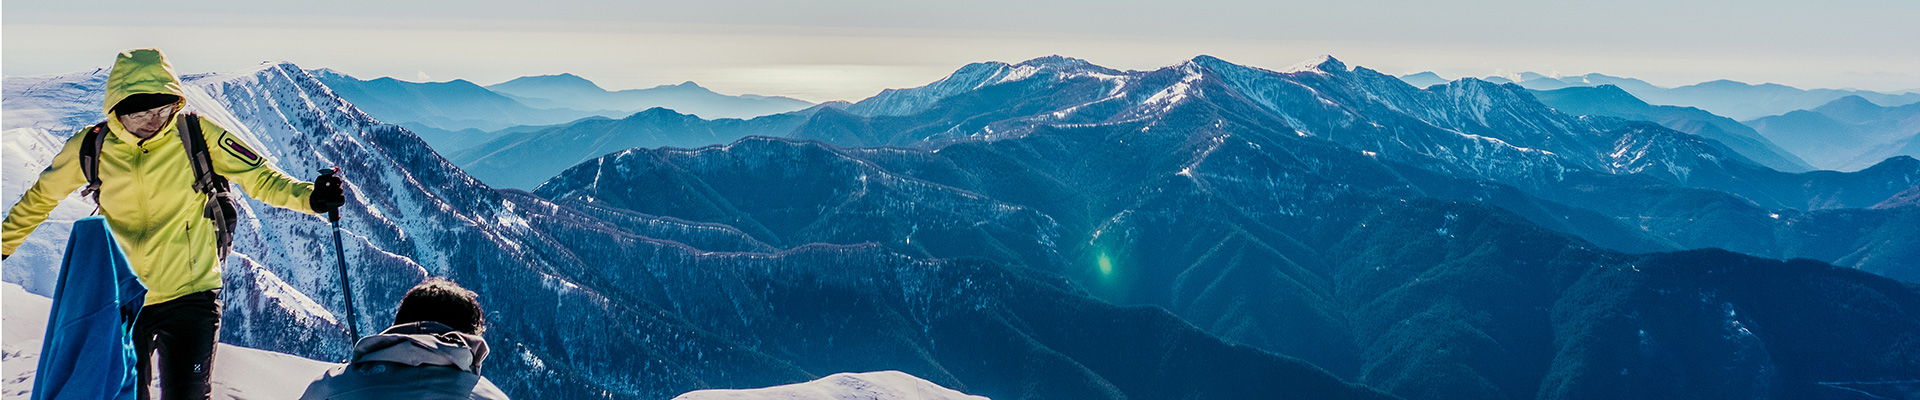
(180, 333)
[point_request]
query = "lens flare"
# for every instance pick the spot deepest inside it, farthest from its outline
(1106, 265)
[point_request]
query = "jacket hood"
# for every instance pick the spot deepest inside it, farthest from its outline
(139, 71)
(423, 343)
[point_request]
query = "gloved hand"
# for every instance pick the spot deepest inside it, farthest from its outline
(327, 195)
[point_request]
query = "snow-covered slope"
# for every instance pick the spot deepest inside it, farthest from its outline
(41, 112)
(881, 385)
(27, 152)
(61, 103)
(241, 374)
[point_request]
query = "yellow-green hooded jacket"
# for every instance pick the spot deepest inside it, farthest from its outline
(146, 187)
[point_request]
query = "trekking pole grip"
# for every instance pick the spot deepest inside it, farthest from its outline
(333, 215)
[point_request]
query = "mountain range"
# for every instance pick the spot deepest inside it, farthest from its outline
(521, 160)
(1611, 101)
(456, 115)
(574, 92)
(1224, 194)
(453, 105)
(1732, 99)
(1056, 229)
(1847, 134)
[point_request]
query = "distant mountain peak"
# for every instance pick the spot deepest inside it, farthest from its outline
(1323, 64)
(1423, 79)
(1203, 61)
(687, 86)
(1608, 94)
(1852, 100)
(1733, 84)
(564, 79)
(658, 112)
(328, 72)
(1056, 60)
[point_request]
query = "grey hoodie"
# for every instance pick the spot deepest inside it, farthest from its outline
(415, 361)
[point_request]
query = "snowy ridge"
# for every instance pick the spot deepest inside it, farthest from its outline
(896, 209)
(909, 101)
(1467, 127)
(900, 102)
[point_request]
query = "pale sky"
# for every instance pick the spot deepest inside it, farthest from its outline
(823, 50)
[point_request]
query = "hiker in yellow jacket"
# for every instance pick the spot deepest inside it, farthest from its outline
(147, 194)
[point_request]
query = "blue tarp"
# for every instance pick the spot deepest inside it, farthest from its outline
(88, 350)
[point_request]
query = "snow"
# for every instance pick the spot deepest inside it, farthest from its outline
(1019, 73)
(1175, 93)
(239, 373)
(1317, 65)
(27, 152)
(881, 385)
(301, 307)
(62, 103)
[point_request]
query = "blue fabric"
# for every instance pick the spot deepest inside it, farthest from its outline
(88, 350)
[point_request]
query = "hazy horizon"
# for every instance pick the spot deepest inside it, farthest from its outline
(848, 50)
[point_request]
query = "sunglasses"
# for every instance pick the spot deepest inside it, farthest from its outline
(151, 113)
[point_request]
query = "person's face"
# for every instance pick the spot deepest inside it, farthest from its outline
(147, 123)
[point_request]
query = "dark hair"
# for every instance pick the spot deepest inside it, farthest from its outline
(441, 300)
(142, 102)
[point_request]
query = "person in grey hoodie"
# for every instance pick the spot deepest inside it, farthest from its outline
(433, 351)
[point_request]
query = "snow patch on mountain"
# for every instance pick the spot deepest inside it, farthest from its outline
(1174, 94)
(881, 385)
(1323, 64)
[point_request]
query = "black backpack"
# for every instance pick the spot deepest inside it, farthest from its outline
(220, 204)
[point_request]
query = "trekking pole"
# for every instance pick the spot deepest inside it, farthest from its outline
(353, 327)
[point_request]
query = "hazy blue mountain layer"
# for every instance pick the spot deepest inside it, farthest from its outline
(572, 91)
(1733, 99)
(1847, 134)
(524, 158)
(1611, 101)
(451, 106)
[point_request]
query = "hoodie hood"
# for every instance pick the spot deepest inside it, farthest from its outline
(423, 343)
(140, 71)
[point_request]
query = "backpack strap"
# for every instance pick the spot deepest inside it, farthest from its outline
(205, 180)
(220, 206)
(90, 161)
